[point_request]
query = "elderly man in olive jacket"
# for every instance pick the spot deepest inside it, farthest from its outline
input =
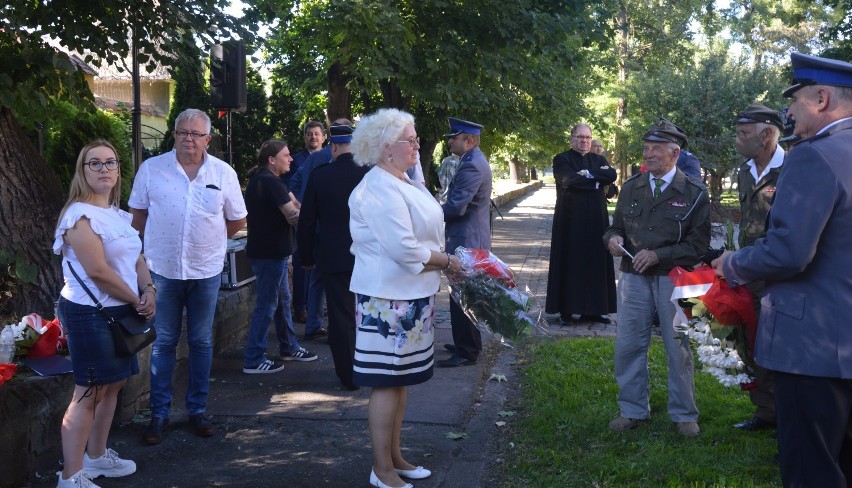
(661, 221)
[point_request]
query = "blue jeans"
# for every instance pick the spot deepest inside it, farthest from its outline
(272, 304)
(316, 298)
(199, 298)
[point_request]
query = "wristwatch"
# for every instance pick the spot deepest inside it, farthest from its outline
(151, 286)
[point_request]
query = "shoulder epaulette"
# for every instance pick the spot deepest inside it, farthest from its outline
(699, 184)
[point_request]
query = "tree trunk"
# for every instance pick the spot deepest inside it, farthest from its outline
(514, 171)
(30, 199)
(619, 152)
(392, 95)
(339, 97)
(426, 163)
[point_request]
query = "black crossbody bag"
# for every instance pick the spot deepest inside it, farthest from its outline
(131, 334)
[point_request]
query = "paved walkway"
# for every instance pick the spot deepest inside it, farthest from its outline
(298, 428)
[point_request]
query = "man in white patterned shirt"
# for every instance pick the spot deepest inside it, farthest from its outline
(185, 204)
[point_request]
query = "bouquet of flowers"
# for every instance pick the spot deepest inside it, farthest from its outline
(488, 295)
(720, 320)
(36, 338)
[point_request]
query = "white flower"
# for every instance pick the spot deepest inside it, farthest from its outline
(715, 355)
(371, 308)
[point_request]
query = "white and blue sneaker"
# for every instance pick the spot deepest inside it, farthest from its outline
(267, 366)
(301, 355)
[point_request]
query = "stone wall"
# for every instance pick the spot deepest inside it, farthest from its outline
(32, 407)
(510, 195)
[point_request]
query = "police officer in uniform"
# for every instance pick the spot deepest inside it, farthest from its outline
(804, 335)
(758, 130)
(467, 214)
(662, 220)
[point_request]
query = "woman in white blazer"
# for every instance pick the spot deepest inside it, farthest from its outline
(397, 238)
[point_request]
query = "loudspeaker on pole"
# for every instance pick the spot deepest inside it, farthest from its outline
(228, 76)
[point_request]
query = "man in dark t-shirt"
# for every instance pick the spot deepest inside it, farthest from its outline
(272, 214)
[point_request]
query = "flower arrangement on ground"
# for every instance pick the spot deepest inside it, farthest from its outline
(719, 320)
(37, 338)
(487, 293)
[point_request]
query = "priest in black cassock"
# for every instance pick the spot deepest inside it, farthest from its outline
(581, 279)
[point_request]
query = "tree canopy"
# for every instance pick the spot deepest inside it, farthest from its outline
(35, 69)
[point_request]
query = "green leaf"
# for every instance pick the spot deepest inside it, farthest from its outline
(25, 272)
(456, 435)
(506, 413)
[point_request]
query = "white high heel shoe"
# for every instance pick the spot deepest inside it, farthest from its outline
(375, 481)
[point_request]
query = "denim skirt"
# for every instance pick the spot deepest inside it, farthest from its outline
(90, 344)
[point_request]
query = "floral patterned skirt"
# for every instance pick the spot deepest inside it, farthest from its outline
(393, 341)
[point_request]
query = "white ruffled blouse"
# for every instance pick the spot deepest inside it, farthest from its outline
(122, 247)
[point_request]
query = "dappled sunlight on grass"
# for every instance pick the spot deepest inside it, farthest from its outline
(562, 437)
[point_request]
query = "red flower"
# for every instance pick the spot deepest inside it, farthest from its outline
(482, 260)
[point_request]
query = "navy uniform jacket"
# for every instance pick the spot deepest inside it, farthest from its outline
(327, 204)
(689, 164)
(806, 260)
(467, 212)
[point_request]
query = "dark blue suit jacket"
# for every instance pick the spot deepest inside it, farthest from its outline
(806, 260)
(467, 212)
(327, 204)
(299, 182)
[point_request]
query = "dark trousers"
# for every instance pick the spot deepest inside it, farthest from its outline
(299, 291)
(341, 323)
(763, 395)
(466, 336)
(814, 430)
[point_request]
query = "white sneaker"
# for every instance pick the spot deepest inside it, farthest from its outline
(108, 465)
(78, 480)
(267, 366)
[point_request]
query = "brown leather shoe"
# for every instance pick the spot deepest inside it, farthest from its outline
(300, 317)
(688, 429)
(201, 425)
(623, 423)
(155, 431)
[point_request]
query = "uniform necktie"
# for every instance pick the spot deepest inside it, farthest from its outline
(658, 184)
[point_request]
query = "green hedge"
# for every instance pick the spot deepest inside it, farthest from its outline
(70, 128)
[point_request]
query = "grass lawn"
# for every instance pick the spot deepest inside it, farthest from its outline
(561, 437)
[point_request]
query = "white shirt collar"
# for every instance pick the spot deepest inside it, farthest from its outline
(668, 177)
(829, 126)
(776, 161)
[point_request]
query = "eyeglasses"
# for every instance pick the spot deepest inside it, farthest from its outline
(97, 166)
(583, 138)
(414, 141)
(192, 135)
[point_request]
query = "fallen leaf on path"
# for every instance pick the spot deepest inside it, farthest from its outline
(497, 377)
(506, 413)
(456, 435)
